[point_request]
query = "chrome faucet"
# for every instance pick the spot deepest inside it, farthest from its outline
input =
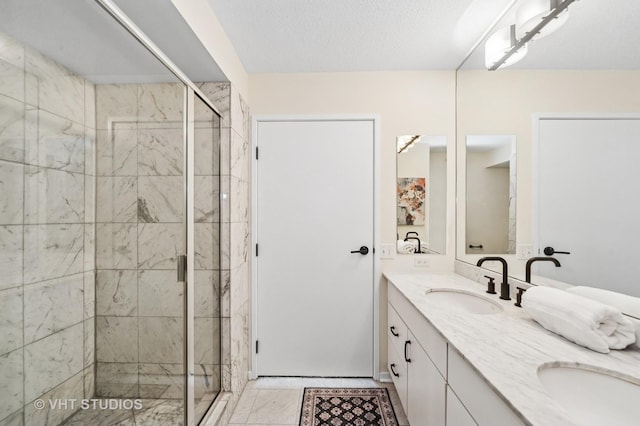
(504, 285)
(407, 238)
(527, 274)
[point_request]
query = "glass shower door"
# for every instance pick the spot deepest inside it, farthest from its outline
(206, 273)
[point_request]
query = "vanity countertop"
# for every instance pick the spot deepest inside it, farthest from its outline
(507, 348)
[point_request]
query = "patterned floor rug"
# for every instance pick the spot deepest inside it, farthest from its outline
(347, 407)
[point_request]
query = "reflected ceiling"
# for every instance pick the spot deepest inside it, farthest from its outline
(600, 34)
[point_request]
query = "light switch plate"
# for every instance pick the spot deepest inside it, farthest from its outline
(387, 251)
(524, 251)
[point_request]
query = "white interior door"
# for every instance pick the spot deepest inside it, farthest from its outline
(314, 206)
(588, 203)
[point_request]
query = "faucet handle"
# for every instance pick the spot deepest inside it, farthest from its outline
(491, 285)
(519, 296)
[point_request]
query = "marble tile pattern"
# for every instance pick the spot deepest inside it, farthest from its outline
(139, 192)
(52, 306)
(506, 349)
(237, 253)
(47, 138)
(12, 123)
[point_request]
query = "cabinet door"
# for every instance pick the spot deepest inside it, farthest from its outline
(396, 329)
(425, 388)
(457, 415)
(482, 402)
(398, 370)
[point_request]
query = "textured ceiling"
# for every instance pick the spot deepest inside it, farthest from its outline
(376, 35)
(353, 35)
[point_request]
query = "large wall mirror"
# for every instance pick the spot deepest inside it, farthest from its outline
(421, 196)
(573, 83)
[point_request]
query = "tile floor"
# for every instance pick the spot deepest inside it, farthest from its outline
(276, 401)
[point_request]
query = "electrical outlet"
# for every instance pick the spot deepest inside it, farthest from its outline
(387, 251)
(421, 261)
(524, 251)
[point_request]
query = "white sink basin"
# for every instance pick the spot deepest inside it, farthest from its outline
(464, 301)
(591, 397)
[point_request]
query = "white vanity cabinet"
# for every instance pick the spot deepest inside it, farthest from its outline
(482, 403)
(420, 383)
(425, 388)
(435, 384)
(457, 414)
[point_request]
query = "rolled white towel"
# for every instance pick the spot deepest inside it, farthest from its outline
(626, 304)
(586, 322)
(407, 247)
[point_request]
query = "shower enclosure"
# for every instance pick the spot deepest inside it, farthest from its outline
(109, 223)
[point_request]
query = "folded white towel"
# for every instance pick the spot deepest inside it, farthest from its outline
(586, 322)
(626, 304)
(407, 247)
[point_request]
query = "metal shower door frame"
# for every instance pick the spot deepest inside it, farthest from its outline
(191, 91)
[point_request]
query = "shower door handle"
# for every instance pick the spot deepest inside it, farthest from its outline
(182, 268)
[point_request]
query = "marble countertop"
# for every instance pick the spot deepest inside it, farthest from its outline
(507, 348)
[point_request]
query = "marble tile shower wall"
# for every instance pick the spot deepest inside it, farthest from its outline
(47, 134)
(139, 304)
(235, 238)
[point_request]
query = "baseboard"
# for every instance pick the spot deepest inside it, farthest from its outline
(385, 377)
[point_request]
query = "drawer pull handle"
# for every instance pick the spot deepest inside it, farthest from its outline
(393, 370)
(406, 346)
(393, 331)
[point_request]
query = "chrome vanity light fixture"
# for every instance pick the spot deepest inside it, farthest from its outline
(405, 143)
(501, 43)
(532, 12)
(534, 19)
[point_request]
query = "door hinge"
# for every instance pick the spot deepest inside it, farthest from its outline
(256, 152)
(256, 346)
(256, 250)
(182, 268)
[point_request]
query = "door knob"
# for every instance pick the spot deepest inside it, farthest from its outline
(549, 251)
(362, 250)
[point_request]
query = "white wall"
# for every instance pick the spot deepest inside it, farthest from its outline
(418, 103)
(438, 197)
(487, 204)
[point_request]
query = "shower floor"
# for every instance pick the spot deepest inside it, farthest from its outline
(154, 412)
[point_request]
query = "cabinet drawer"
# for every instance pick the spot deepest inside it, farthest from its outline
(398, 335)
(484, 405)
(427, 336)
(398, 373)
